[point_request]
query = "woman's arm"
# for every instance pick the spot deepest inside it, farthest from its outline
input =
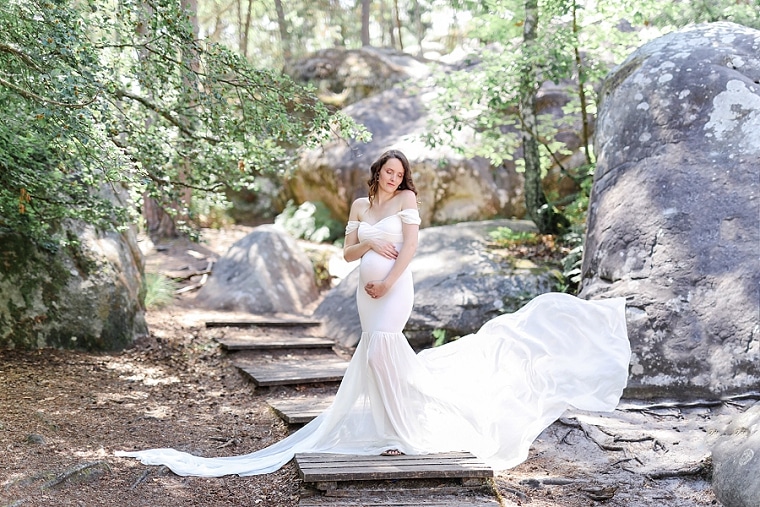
(378, 288)
(354, 249)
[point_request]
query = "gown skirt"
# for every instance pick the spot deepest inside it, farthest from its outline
(490, 393)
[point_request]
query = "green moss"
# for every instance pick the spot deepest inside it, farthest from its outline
(38, 307)
(36, 277)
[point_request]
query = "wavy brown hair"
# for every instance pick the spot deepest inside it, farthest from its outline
(406, 184)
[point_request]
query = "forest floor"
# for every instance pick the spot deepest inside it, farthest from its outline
(64, 413)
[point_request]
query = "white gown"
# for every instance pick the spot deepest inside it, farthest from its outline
(490, 393)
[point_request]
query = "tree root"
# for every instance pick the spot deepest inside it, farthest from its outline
(691, 404)
(81, 472)
(703, 468)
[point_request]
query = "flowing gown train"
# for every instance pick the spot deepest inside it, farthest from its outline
(490, 393)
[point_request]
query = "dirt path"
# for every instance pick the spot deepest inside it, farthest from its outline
(64, 413)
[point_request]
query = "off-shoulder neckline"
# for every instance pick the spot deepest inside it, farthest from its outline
(386, 218)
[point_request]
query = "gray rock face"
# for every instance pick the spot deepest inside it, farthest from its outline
(736, 461)
(265, 272)
(674, 218)
(87, 297)
(451, 187)
(459, 285)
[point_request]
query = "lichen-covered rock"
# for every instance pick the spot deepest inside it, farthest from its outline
(87, 296)
(265, 272)
(736, 461)
(459, 284)
(674, 219)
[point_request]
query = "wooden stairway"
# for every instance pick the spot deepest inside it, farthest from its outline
(290, 352)
(280, 351)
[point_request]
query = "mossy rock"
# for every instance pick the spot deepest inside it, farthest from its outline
(88, 294)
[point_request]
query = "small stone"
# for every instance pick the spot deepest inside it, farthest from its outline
(35, 439)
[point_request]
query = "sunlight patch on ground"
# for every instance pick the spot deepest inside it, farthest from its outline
(103, 398)
(159, 412)
(150, 376)
(93, 454)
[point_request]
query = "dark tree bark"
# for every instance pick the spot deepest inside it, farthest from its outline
(246, 30)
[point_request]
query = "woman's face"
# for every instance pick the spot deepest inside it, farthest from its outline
(391, 175)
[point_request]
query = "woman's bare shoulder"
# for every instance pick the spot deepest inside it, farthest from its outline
(359, 207)
(408, 199)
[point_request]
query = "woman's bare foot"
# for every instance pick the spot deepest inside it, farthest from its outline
(392, 452)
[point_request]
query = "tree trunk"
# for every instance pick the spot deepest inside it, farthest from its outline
(284, 34)
(389, 19)
(158, 222)
(246, 30)
(581, 88)
(398, 24)
(365, 21)
(539, 210)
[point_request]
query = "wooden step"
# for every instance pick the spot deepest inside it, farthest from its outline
(281, 371)
(263, 322)
(428, 497)
(231, 343)
(301, 409)
(327, 468)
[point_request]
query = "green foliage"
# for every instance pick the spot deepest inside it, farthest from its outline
(439, 337)
(159, 290)
(105, 102)
(211, 210)
(674, 14)
(507, 237)
(576, 45)
(310, 221)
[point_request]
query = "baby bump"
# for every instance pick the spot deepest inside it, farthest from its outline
(374, 266)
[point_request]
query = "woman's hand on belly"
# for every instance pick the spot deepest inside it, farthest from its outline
(376, 288)
(384, 248)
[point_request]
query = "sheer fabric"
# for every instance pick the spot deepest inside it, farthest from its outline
(490, 393)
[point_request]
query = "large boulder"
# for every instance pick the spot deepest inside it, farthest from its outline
(674, 219)
(344, 76)
(736, 461)
(452, 187)
(459, 284)
(265, 272)
(87, 294)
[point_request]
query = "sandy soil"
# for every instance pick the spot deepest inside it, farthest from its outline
(64, 413)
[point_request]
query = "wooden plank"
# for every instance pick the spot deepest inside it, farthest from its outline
(340, 467)
(351, 472)
(326, 457)
(428, 497)
(300, 410)
(232, 343)
(263, 322)
(294, 370)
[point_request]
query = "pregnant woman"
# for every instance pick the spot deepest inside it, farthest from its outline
(490, 393)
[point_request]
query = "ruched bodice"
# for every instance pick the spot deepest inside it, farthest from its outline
(389, 228)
